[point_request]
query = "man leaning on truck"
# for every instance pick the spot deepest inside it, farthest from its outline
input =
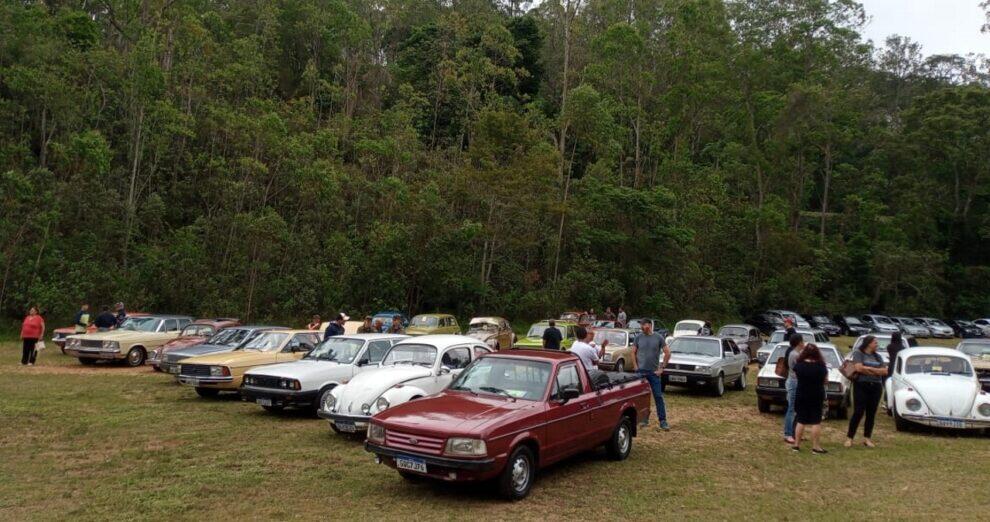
(646, 354)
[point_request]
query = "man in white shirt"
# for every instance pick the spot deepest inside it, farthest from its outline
(585, 348)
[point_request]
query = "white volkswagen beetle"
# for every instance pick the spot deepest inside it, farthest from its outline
(936, 387)
(412, 369)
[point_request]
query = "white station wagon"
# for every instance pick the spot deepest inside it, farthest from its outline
(936, 387)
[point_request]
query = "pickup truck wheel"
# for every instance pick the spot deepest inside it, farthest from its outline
(516, 479)
(86, 361)
(207, 392)
(619, 446)
(135, 357)
(620, 365)
(762, 405)
(741, 382)
(719, 388)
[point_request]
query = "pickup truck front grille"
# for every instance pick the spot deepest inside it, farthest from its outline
(195, 370)
(416, 443)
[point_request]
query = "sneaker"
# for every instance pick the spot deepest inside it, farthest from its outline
(30, 364)
(664, 426)
(796, 449)
(819, 451)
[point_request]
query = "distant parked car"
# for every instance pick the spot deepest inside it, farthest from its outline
(984, 325)
(131, 343)
(386, 316)
(534, 337)
(196, 333)
(964, 329)
(766, 322)
(706, 362)
(883, 343)
(770, 387)
(978, 351)
(880, 323)
(746, 336)
(936, 387)
(937, 327)
(636, 326)
(496, 332)
(692, 327)
(433, 324)
(225, 340)
(911, 326)
(851, 326)
(809, 335)
(799, 322)
(618, 352)
(824, 323)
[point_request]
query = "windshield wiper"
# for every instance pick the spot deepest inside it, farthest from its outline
(464, 388)
(497, 391)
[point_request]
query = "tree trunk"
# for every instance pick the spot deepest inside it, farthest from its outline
(825, 189)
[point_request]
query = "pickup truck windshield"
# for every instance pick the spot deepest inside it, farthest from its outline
(337, 349)
(689, 346)
(514, 378)
(420, 354)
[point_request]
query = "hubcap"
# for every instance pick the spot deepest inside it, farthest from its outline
(721, 384)
(135, 356)
(619, 366)
(623, 438)
(520, 474)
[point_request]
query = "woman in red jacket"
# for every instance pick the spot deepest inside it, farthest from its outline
(32, 330)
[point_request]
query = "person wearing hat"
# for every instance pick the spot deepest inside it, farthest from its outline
(367, 327)
(336, 327)
(396, 326)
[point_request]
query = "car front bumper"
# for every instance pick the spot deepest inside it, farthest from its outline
(441, 468)
(273, 397)
(346, 423)
(772, 395)
(218, 383)
(86, 353)
(687, 380)
(947, 422)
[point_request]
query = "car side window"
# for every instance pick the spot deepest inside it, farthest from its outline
(726, 347)
(897, 368)
(184, 322)
(567, 377)
(456, 358)
(377, 351)
(171, 325)
(735, 348)
(481, 350)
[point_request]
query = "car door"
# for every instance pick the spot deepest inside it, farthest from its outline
(568, 422)
(452, 362)
(296, 348)
(729, 366)
(755, 342)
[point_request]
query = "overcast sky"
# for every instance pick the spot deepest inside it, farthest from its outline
(940, 26)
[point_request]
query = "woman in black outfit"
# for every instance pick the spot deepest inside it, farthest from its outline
(867, 388)
(896, 345)
(812, 374)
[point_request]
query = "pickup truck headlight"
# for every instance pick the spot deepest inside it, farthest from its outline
(111, 346)
(466, 447)
(382, 404)
(376, 433)
(833, 387)
(219, 371)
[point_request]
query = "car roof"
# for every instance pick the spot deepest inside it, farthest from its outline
(441, 341)
(167, 316)
(702, 337)
(930, 350)
(557, 322)
(738, 325)
(535, 353)
(372, 336)
(258, 327)
(486, 319)
(622, 330)
(975, 341)
(433, 315)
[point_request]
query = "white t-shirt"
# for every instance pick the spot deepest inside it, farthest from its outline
(588, 353)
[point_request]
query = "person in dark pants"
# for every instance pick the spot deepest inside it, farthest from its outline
(32, 329)
(867, 388)
(789, 329)
(552, 336)
(896, 345)
(646, 356)
(812, 374)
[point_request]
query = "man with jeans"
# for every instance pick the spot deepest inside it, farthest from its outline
(646, 355)
(792, 354)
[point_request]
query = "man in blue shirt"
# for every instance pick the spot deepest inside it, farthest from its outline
(336, 327)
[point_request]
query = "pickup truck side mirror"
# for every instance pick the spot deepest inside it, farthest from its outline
(568, 393)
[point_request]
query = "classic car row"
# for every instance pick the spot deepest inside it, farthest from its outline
(855, 325)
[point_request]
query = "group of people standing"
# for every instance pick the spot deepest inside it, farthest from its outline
(370, 325)
(33, 327)
(620, 318)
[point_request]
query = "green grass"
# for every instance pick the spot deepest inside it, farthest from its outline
(116, 443)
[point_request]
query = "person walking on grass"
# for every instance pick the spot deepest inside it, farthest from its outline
(796, 342)
(32, 331)
(867, 387)
(552, 336)
(646, 357)
(812, 374)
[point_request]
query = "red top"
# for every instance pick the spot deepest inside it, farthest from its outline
(33, 327)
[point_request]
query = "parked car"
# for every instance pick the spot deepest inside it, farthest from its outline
(572, 317)
(936, 387)
(883, 343)
(880, 323)
(799, 322)
(225, 340)
(196, 333)
(746, 336)
(386, 316)
(851, 326)
(810, 335)
(496, 332)
(912, 327)
(978, 351)
(706, 362)
(306, 382)
(937, 326)
(61, 334)
(534, 337)
(635, 326)
(824, 323)
(603, 324)
(964, 329)
(507, 416)
(412, 369)
(130, 343)
(692, 327)
(770, 388)
(433, 324)
(618, 351)
(766, 322)
(213, 373)
(984, 325)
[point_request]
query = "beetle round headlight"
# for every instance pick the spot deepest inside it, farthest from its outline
(984, 409)
(366, 409)
(329, 402)
(382, 404)
(913, 404)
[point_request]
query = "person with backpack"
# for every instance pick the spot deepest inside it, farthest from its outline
(809, 399)
(785, 368)
(867, 388)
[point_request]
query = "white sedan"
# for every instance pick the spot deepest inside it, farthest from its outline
(413, 368)
(936, 387)
(770, 388)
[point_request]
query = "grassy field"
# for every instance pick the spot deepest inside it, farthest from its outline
(120, 443)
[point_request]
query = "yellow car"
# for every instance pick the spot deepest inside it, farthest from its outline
(213, 373)
(430, 324)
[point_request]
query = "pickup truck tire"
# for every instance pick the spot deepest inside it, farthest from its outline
(516, 479)
(762, 405)
(718, 389)
(135, 357)
(619, 445)
(207, 392)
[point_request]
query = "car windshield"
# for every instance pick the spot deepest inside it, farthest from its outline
(423, 320)
(821, 319)
(778, 335)
(733, 331)
(635, 324)
(975, 349)
(936, 322)
(853, 321)
(830, 355)
(908, 321)
(688, 346)
(229, 337)
(964, 323)
(420, 354)
(882, 319)
(614, 338)
(337, 349)
(507, 377)
(265, 342)
(537, 330)
(482, 327)
(688, 325)
(569, 317)
(937, 365)
(140, 324)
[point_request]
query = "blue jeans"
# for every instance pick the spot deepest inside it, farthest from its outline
(657, 388)
(791, 386)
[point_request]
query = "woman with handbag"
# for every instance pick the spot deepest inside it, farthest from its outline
(812, 374)
(867, 388)
(32, 331)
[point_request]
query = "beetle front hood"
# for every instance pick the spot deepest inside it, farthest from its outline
(234, 359)
(453, 413)
(946, 395)
(367, 386)
(303, 369)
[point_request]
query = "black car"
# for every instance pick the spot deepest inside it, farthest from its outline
(965, 329)
(851, 325)
(824, 323)
(767, 323)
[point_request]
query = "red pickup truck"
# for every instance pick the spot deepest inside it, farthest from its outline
(507, 415)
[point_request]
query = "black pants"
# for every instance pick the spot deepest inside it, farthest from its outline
(28, 353)
(866, 399)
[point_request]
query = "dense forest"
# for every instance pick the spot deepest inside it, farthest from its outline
(274, 158)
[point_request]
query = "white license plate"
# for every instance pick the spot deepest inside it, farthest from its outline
(948, 423)
(264, 402)
(192, 382)
(677, 378)
(347, 427)
(173, 370)
(410, 464)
